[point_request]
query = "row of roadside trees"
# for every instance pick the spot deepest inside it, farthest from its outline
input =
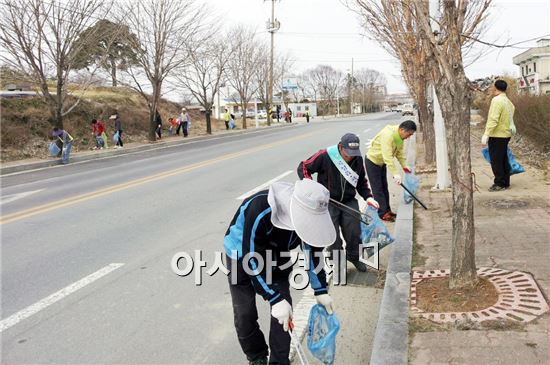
(431, 45)
(153, 47)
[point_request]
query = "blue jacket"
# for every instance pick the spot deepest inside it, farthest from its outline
(251, 231)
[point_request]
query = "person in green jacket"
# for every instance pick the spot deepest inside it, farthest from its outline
(498, 131)
(387, 145)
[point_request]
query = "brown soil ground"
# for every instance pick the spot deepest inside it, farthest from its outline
(434, 296)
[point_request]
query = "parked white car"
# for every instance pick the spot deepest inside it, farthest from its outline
(407, 109)
(262, 114)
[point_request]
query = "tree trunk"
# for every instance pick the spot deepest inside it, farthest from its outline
(455, 106)
(113, 72)
(152, 126)
(426, 121)
(208, 121)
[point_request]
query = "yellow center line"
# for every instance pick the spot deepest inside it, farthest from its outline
(9, 218)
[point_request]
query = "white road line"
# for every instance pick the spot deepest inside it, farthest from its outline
(263, 186)
(367, 130)
(55, 297)
(12, 197)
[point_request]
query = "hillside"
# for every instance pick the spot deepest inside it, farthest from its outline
(25, 131)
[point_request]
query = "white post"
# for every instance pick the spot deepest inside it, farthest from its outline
(441, 155)
(256, 112)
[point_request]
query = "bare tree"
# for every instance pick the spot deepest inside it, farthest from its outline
(203, 75)
(459, 22)
(393, 25)
(163, 30)
(39, 39)
(244, 64)
(368, 85)
(327, 81)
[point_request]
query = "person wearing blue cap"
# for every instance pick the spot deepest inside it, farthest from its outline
(341, 170)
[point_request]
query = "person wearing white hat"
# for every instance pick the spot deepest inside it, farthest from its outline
(267, 225)
(184, 122)
(341, 170)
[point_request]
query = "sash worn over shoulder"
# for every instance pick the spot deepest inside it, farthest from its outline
(342, 166)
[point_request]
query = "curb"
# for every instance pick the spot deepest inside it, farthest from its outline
(391, 340)
(25, 166)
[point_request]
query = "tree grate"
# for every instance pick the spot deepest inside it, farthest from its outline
(519, 298)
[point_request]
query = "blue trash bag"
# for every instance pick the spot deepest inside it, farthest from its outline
(412, 182)
(115, 137)
(515, 167)
(53, 149)
(376, 230)
(321, 334)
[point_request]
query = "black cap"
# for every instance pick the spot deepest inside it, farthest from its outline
(350, 144)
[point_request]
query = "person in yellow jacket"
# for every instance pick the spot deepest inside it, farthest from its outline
(387, 145)
(226, 119)
(498, 131)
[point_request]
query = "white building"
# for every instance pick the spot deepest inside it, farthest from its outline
(534, 67)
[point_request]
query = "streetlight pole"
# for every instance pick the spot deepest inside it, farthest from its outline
(273, 25)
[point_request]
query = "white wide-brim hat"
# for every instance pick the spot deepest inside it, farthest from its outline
(278, 199)
(304, 209)
(309, 213)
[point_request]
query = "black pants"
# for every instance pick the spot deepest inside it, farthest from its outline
(227, 125)
(119, 142)
(378, 179)
(184, 129)
(180, 126)
(351, 229)
(498, 153)
(159, 132)
(307, 118)
(245, 315)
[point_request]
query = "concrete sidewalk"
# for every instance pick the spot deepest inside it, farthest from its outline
(512, 233)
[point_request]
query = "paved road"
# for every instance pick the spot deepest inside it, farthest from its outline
(121, 220)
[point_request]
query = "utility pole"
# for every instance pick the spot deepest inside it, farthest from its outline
(351, 89)
(273, 25)
(441, 156)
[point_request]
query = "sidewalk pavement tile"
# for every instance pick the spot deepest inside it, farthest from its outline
(512, 239)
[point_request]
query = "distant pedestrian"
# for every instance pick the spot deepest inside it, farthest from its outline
(307, 116)
(387, 145)
(226, 118)
(66, 141)
(232, 124)
(173, 125)
(98, 131)
(184, 122)
(498, 130)
(278, 111)
(158, 122)
(289, 115)
(118, 129)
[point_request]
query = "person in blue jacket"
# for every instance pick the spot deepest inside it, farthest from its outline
(267, 225)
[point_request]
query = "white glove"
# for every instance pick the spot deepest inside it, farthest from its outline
(282, 311)
(484, 140)
(373, 203)
(326, 301)
(397, 179)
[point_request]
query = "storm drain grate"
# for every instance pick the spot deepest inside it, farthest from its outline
(519, 298)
